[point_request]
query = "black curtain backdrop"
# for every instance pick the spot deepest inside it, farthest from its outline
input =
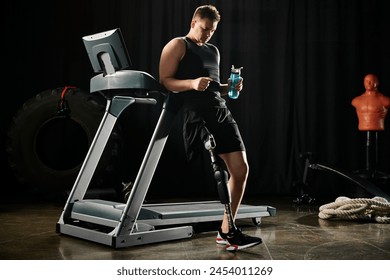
(303, 63)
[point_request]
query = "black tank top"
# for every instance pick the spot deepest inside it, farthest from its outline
(200, 61)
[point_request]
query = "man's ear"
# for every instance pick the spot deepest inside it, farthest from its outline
(193, 23)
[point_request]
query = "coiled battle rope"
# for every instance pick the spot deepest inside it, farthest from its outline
(374, 209)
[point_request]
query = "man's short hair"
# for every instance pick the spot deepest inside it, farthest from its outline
(207, 11)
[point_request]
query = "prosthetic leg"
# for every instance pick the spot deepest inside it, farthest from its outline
(221, 176)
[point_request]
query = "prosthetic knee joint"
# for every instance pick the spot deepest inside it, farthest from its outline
(221, 176)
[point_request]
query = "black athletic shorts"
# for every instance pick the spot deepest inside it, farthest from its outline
(219, 122)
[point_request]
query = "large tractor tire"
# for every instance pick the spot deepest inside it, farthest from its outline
(50, 136)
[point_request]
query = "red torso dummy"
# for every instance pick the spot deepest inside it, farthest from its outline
(371, 106)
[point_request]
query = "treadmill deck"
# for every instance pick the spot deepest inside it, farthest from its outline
(109, 213)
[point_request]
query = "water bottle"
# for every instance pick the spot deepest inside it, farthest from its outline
(235, 75)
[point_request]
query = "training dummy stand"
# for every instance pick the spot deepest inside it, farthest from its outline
(370, 171)
(371, 109)
(135, 223)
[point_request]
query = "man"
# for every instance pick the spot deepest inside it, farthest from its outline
(189, 68)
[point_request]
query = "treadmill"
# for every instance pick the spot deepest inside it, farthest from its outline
(118, 224)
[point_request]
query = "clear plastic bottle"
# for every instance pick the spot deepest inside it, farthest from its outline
(235, 75)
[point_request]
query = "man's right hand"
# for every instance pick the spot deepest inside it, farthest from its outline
(201, 84)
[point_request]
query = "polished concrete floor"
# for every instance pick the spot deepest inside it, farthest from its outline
(28, 232)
